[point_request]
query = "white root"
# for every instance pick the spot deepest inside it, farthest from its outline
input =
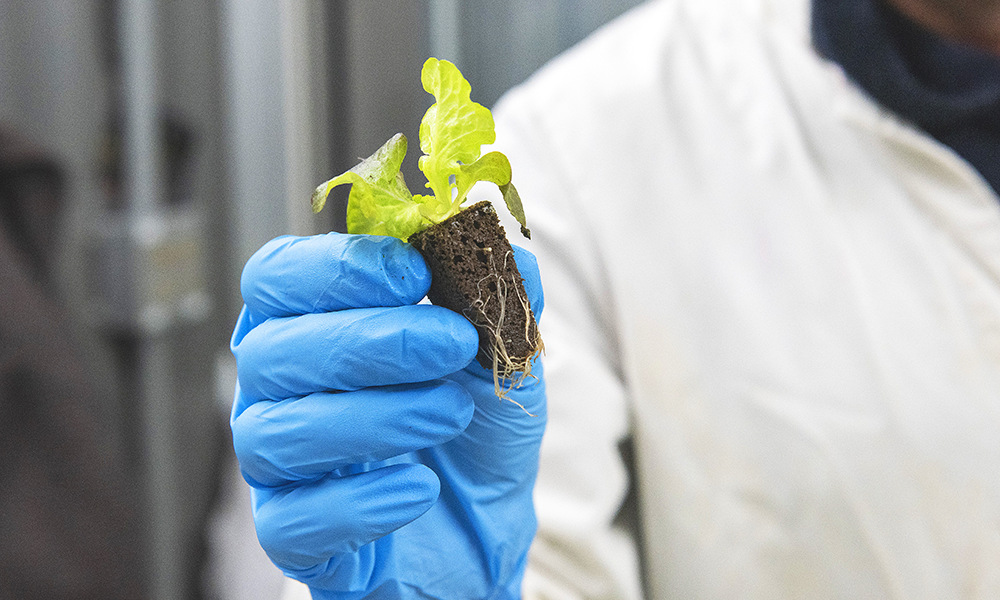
(508, 373)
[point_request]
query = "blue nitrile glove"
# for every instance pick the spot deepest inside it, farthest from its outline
(382, 463)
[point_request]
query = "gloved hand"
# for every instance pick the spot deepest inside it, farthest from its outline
(382, 463)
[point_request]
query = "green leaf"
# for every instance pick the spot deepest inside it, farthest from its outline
(452, 131)
(513, 201)
(379, 202)
(493, 167)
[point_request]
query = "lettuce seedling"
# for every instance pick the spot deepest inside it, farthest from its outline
(452, 133)
(468, 254)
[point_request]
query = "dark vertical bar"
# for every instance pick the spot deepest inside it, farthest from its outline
(337, 54)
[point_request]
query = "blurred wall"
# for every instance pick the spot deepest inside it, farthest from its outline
(139, 285)
(56, 95)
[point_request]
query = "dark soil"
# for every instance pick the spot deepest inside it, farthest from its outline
(473, 273)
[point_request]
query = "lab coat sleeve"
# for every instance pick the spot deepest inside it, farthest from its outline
(584, 549)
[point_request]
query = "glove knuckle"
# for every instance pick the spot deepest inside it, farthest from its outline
(256, 268)
(251, 363)
(246, 445)
(277, 539)
(255, 450)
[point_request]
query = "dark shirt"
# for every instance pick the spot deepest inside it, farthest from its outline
(950, 90)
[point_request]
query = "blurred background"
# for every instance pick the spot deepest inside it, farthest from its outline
(147, 148)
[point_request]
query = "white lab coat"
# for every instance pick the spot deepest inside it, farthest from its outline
(786, 298)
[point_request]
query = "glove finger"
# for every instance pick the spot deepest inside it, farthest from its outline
(527, 265)
(299, 275)
(352, 349)
(302, 527)
(281, 442)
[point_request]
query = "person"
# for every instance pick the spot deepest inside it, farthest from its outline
(767, 232)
